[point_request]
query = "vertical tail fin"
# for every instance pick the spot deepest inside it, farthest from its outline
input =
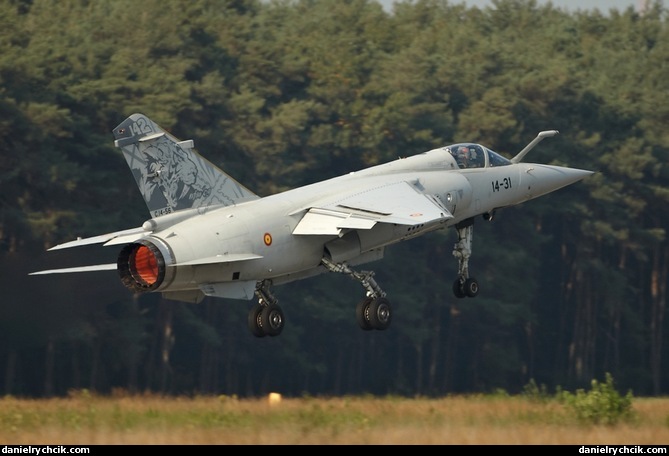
(169, 173)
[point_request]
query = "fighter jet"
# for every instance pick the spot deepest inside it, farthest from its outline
(208, 235)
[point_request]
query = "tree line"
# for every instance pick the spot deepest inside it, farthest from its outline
(285, 93)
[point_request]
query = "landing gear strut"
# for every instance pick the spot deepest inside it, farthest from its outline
(464, 286)
(373, 312)
(266, 317)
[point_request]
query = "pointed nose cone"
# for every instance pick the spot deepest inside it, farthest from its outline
(539, 180)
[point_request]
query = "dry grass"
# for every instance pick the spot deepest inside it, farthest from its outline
(121, 419)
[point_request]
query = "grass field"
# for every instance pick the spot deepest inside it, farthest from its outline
(83, 419)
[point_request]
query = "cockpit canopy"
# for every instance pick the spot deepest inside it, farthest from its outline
(470, 155)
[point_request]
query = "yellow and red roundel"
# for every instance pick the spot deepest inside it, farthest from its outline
(268, 239)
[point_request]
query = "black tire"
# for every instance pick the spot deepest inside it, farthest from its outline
(471, 287)
(361, 314)
(254, 321)
(458, 289)
(272, 320)
(380, 313)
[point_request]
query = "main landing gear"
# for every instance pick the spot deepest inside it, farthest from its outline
(373, 312)
(266, 317)
(464, 286)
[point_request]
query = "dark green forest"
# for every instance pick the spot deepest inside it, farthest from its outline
(285, 93)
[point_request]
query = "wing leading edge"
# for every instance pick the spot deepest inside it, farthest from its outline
(116, 237)
(398, 203)
(129, 235)
(97, 267)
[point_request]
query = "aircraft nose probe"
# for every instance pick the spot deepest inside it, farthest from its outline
(533, 143)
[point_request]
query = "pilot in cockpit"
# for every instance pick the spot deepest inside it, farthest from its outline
(462, 156)
(476, 159)
(469, 157)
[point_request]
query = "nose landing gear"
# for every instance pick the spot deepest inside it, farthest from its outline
(464, 286)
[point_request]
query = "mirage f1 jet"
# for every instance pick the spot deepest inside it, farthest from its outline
(210, 236)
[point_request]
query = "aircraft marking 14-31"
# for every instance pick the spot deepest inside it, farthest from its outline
(505, 185)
